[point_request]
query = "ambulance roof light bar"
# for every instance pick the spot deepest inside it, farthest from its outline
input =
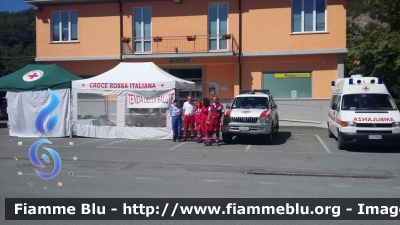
(351, 80)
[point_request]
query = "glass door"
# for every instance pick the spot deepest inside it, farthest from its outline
(197, 93)
(189, 74)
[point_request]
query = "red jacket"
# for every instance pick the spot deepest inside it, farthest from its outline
(216, 111)
(204, 113)
(197, 114)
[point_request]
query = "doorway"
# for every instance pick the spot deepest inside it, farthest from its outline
(189, 74)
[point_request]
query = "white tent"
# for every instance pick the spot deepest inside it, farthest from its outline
(135, 98)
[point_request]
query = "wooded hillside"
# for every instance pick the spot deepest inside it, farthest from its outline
(17, 40)
(373, 40)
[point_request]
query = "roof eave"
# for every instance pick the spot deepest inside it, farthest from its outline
(73, 2)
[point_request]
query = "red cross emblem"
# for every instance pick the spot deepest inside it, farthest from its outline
(366, 88)
(31, 76)
(162, 85)
(83, 85)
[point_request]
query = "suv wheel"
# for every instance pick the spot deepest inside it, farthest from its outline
(227, 138)
(276, 128)
(269, 137)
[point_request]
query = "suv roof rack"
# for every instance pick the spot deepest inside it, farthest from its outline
(265, 91)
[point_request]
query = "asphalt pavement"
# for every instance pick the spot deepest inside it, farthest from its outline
(301, 162)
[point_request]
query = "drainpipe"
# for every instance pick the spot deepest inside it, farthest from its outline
(120, 30)
(240, 44)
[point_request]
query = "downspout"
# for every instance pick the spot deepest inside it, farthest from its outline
(240, 44)
(120, 30)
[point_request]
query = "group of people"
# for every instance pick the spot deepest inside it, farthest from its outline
(204, 117)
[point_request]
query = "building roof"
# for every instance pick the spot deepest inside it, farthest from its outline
(142, 76)
(70, 2)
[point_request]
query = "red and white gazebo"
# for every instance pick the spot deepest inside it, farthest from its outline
(136, 91)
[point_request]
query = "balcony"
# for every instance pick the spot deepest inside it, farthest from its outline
(199, 44)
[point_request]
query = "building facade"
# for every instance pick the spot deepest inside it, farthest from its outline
(295, 48)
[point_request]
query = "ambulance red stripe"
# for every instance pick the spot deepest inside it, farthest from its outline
(336, 120)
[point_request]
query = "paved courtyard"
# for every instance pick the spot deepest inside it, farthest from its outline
(301, 162)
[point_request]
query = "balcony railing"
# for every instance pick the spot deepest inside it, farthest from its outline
(182, 44)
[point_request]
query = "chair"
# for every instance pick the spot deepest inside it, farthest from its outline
(96, 122)
(163, 123)
(130, 121)
(104, 121)
(88, 117)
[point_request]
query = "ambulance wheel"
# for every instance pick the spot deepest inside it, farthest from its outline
(340, 144)
(330, 134)
(227, 138)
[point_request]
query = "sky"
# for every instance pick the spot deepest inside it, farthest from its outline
(14, 5)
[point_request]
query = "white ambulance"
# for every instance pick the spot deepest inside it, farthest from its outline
(362, 111)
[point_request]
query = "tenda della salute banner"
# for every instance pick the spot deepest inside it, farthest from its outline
(153, 99)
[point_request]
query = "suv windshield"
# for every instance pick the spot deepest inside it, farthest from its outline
(251, 103)
(368, 102)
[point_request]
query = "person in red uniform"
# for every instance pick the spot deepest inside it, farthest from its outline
(215, 120)
(204, 117)
(199, 127)
(188, 118)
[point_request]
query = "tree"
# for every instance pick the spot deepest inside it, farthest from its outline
(356, 8)
(377, 53)
(375, 49)
(386, 11)
(17, 40)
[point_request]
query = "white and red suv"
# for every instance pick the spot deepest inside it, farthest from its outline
(253, 112)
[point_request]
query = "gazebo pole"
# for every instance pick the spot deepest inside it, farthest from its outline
(105, 105)
(70, 111)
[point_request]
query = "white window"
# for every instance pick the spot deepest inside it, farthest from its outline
(142, 29)
(308, 15)
(217, 26)
(64, 26)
